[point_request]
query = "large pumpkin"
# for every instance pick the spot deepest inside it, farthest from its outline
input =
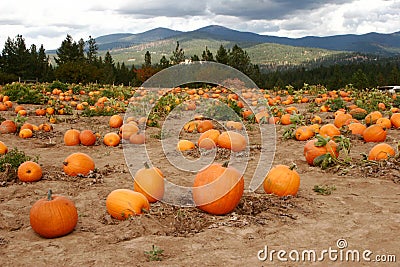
(304, 133)
(53, 216)
(341, 118)
(87, 138)
(372, 117)
(381, 151)
(282, 181)
(78, 164)
(319, 146)
(149, 182)
(374, 133)
(124, 203)
(218, 189)
(29, 171)
(8, 126)
(357, 128)
(395, 120)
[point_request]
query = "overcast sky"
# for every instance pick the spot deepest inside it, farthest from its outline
(48, 22)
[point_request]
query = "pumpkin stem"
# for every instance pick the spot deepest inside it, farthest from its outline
(225, 164)
(293, 166)
(49, 195)
(146, 165)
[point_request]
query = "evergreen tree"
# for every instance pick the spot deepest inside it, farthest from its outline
(207, 55)
(222, 55)
(178, 55)
(70, 51)
(240, 60)
(195, 58)
(147, 59)
(164, 62)
(91, 53)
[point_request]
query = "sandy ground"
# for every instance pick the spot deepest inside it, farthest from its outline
(364, 210)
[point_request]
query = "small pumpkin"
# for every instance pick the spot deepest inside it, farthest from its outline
(232, 140)
(285, 119)
(184, 145)
(128, 129)
(78, 164)
(149, 182)
(329, 130)
(374, 133)
(190, 126)
(116, 121)
(217, 189)
(8, 126)
(111, 139)
(3, 148)
(204, 125)
(282, 181)
(234, 125)
(358, 113)
(29, 171)
(384, 122)
(381, 151)
(319, 146)
(213, 134)
(53, 216)
(124, 203)
(372, 117)
(71, 137)
(87, 138)
(207, 143)
(25, 133)
(137, 138)
(304, 133)
(341, 118)
(357, 128)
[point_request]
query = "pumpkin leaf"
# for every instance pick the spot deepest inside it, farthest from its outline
(318, 160)
(321, 141)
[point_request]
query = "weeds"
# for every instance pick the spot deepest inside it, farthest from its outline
(155, 254)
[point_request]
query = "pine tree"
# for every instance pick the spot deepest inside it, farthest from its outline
(222, 55)
(178, 55)
(147, 59)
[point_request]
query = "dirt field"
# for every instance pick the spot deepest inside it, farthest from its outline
(364, 210)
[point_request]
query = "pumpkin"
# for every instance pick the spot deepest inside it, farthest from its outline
(358, 113)
(372, 117)
(207, 143)
(381, 151)
(395, 120)
(204, 126)
(341, 118)
(285, 119)
(213, 134)
(71, 137)
(190, 126)
(116, 121)
(316, 119)
(149, 182)
(53, 216)
(29, 171)
(18, 108)
(232, 140)
(262, 116)
(40, 112)
(374, 133)
(27, 125)
(25, 133)
(357, 128)
(329, 130)
(8, 126)
(282, 181)
(3, 148)
(384, 122)
(87, 138)
(304, 133)
(217, 189)
(124, 203)
(78, 164)
(128, 129)
(184, 145)
(234, 125)
(111, 139)
(319, 146)
(45, 127)
(137, 138)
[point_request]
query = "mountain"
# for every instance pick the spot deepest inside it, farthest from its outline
(371, 43)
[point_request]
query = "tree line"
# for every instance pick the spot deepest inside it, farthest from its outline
(79, 62)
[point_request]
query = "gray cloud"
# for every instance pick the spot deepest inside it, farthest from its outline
(12, 22)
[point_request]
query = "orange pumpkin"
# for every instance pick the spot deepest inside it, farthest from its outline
(25, 133)
(217, 189)
(127, 130)
(395, 120)
(341, 118)
(357, 128)
(111, 139)
(27, 125)
(384, 122)
(213, 134)
(319, 146)
(137, 138)
(116, 121)
(329, 130)
(149, 182)
(381, 151)
(374, 133)
(29, 171)
(282, 181)
(78, 164)
(207, 143)
(190, 126)
(87, 138)
(8, 126)
(3, 148)
(124, 203)
(204, 126)
(234, 125)
(40, 112)
(372, 117)
(71, 137)
(304, 133)
(285, 119)
(184, 145)
(53, 216)
(232, 140)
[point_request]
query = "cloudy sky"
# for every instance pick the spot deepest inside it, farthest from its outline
(48, 22)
